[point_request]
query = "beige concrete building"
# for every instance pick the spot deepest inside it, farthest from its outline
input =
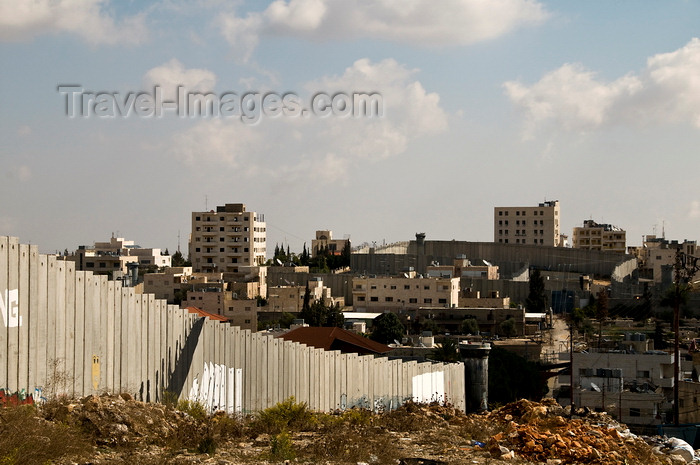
(462, 267)
(291, 298)
(658, 253)
(324, 240)
(372, 294)
(227, 239)
(595, 236)
(538, 225)
(239, 312)
(115, 255)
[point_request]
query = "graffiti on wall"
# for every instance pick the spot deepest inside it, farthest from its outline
(9, 307)
(221, 389)
(8, 399)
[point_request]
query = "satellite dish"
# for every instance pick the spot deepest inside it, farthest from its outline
(595, 387)
(397, 342)
(486, 263)
(405, 275)
(278, 261)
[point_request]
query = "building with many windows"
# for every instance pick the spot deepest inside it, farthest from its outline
(528, 225)
(372, 294)
(115, 255)
(595, 236)
(228, 238)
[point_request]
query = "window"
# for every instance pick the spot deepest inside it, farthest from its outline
(388, 299)
(517, 241)
(221, 239)
(442, 301)
(506, 222)
(393, 287)
(412, 300)
(500, 222)
(407, 286)
(643, 374)
(221, 249)
(517, 213)
(506, 241)
(426, 287)
(361, 298)
(247, 321)
(221, 228)
(197, 218)
(523, 222)
(500, 213)
(374, 299)
(517, 223)
(535, 213)
(221, 218)
(637, 412)
(428, 301)
(373, 286)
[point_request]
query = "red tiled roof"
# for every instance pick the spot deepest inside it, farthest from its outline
(211, 316)
(335, 339)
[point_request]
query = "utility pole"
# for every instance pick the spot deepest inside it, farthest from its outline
(571, 362)
(685, 268)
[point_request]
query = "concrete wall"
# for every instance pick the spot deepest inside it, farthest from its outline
(509, 257)
(70, 332)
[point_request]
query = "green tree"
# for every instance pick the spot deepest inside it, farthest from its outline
(536, 301)
(447, 351)
(335, 316)
(178, 260)
(470, 326)
(286, 319)
(386, 328)
(507, 328)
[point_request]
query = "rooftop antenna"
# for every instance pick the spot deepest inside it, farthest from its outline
(663, 229)
(178, 240)
(206, 203)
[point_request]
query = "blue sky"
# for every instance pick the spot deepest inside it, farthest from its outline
(510, 102)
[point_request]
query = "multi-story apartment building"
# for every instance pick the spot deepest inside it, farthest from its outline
(596, 236)
(528, 225)
(228, 238)
(658, 255)
(115, 255)
(324, 240)
(371, 294)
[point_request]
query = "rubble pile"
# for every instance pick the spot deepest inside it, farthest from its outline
(118, 420)
(539, 432)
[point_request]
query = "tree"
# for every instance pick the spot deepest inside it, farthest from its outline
(178, 260)
(335, 316)
(386, 328)
(470, 326)
(447, 351)
(536, 301)
(507, 328)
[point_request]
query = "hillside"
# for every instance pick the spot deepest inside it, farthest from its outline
(119, 430)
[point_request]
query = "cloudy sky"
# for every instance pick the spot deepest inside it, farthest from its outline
(499, 103)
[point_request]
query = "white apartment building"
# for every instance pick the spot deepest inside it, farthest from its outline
(114, 256)
(227, 239)
(528, 225)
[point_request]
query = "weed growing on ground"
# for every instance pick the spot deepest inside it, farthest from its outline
(281, 447)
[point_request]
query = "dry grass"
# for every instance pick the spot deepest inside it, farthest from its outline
(27, 438)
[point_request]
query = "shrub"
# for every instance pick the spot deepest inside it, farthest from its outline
(281, 447)
(193, 409)
(288, 415)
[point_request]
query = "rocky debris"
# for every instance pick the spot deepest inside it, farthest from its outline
(124, 430)
(540, 433)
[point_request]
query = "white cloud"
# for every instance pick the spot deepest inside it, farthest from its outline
(89, 19)
(323, 148)
(573, 98)
(417, 22)
(217, 142)
(694, 209)
(172, 74)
